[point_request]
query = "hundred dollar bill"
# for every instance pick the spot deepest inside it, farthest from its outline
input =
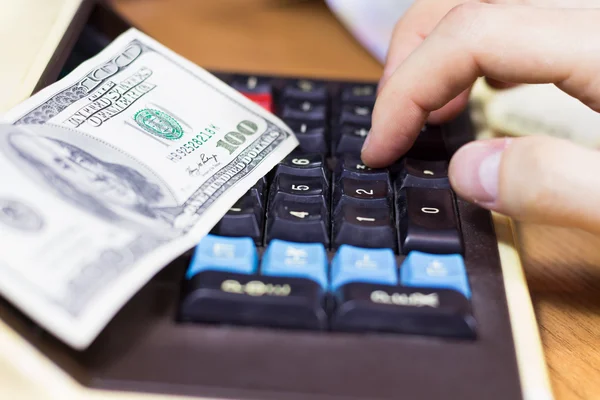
(114, 171)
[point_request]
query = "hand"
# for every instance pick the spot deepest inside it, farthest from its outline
(436, 56)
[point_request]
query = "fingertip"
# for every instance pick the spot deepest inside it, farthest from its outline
(378, 152)
(474, 172)
(374, 158)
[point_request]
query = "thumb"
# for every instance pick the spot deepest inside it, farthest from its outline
(534, 179)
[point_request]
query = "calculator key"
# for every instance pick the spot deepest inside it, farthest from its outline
(262, 301)
(297, 260)
(423, 174)
(429, 145)
(258, 191)
(435, 271)
(351, 139)
(363, 307)
(353, 167)
(364, 227)
(298, 222)
(354, 264)
(262, 99)
(356, 115)
(428, 221)
(303, 89)
(304, 111)
(217, 253)
(303, 164)
(258, 90)
(312, 137)
(245, 218)
(299, 189)
(362, 193)
(359, 94)
(252, 84)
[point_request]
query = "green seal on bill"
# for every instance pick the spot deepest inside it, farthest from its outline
(159, 124)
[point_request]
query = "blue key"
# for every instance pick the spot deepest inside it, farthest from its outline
(435, 271)
(296, 260)
(225, 254)
(356, 264)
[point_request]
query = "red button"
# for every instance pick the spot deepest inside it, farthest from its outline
(262, 99)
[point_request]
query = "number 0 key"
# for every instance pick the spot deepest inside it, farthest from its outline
(428, 221)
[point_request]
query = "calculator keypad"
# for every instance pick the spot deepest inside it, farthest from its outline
(312, 135)
(344, 247)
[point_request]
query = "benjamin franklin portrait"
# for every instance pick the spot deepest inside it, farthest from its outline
(110, 190)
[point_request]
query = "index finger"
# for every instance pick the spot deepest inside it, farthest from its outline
(508, 43)
(410, 31)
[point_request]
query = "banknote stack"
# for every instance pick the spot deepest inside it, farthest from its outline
(113, 172)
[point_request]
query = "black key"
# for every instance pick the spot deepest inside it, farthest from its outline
(245, 218)
(423, 174)
(298, 222)
(304, 164)
(353, 167)
(359, 94)
(258, 191)
(252, 84)
(429, 145)
(367, 193)
(350, 139)
(418, 311)
(364, 227)
(305, 90)
(356, 115)
(228, 298)
(312, 136)
(304, 111)
(428, 221)
(298, 189)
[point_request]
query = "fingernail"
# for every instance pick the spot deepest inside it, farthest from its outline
(489, 170)
(476, 170)
(366, 143)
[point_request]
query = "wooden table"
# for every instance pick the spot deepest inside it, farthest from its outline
(303, 38)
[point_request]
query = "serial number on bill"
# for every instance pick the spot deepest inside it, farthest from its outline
(193, 144)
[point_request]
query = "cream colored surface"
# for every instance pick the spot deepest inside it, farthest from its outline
(542, 110)
(30, 30)
(530, 357)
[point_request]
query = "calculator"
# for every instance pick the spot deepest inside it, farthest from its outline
(327, 279)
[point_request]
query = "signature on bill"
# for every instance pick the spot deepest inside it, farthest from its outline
(204, 160)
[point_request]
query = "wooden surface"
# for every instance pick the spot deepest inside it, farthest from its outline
(303, 38)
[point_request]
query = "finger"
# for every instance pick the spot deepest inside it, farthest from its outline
(513, 44)
(422, 17)
(451, 109)
(535, 179)
(410, 31)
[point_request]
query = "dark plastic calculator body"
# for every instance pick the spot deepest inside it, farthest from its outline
(328, 279)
